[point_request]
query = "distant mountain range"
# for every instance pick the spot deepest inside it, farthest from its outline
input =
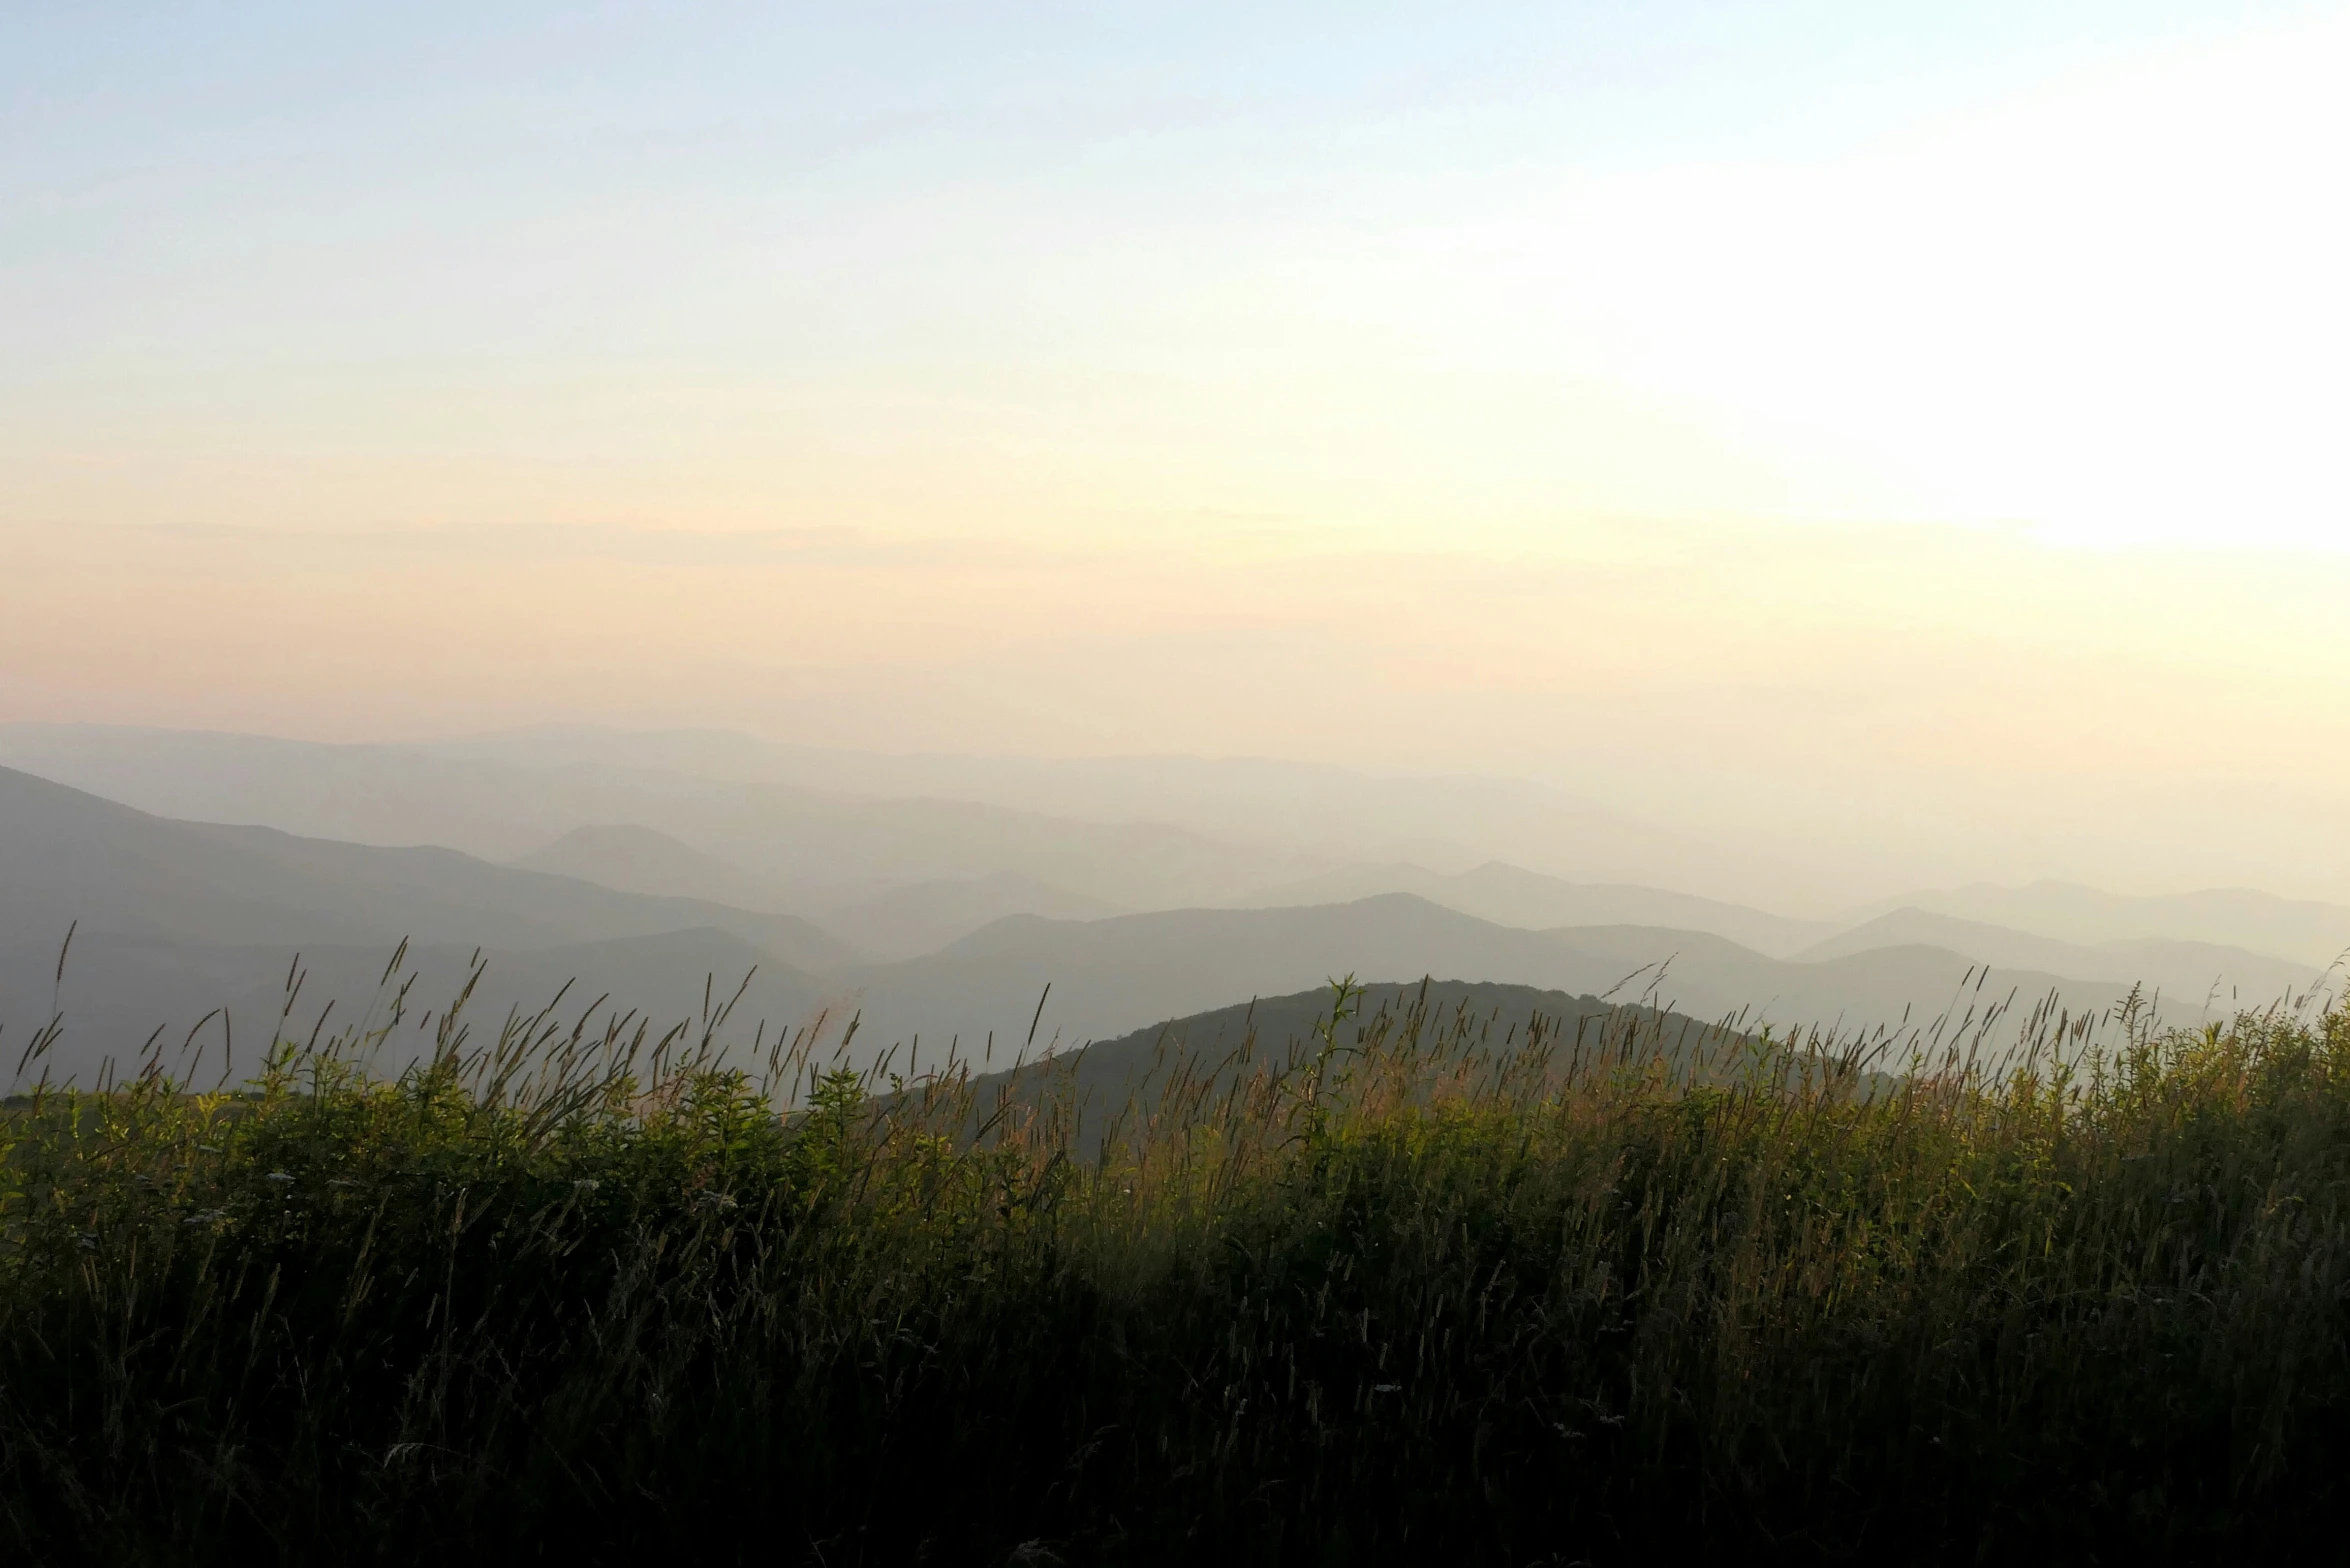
(171, 920)
(901, 921)
(1318, 812)
(68, 856)
(2193, 972)
(1109, 975)
(2304, 930)
(801, 829)
(932, 919)
(794, 844)
(180, 918)
(1513, 896)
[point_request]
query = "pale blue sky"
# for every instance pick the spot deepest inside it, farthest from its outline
(230, 188)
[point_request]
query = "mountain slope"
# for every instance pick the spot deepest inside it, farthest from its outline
(66, 856)
(1109, 977)
(923, 917)
(1513, 896)
(2191, 971)
(638, 859)
(1318, 809)
(2303, 930)
(903, 921)
(794, 842)
(1203, 1055)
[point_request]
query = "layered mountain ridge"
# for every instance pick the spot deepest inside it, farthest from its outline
(948, 922)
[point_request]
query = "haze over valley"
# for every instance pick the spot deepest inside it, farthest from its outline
(657, 872)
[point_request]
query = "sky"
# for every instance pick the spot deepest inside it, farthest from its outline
(1910, 432)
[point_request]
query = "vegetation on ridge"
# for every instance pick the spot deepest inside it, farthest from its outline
(1408, 1293)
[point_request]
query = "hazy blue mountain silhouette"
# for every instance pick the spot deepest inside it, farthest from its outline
(2189, 971)
(67, 856)
(1514, 896)
(180, 917)
(797, 843)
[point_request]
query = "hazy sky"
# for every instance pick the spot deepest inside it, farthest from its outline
(1915, 426)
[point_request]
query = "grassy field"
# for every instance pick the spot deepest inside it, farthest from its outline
(1403, 1292)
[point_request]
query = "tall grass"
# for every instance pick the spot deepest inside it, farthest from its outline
(1401, 1294)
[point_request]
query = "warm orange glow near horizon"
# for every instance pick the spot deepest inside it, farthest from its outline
(1926, 704)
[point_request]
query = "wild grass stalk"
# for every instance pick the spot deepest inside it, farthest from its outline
(1399, 1291)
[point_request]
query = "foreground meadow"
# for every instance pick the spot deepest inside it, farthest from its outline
(1399, 1292)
